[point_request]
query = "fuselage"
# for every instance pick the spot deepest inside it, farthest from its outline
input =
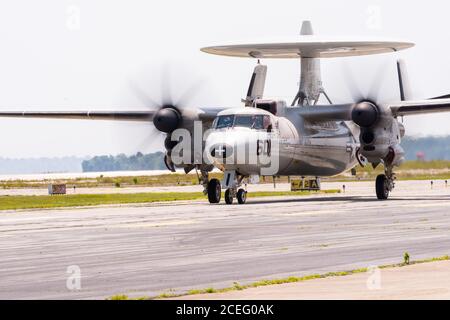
(244, 140)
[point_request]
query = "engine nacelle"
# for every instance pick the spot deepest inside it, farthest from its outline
(396, 155)
(168, 119)
(380, 133)
(365, 114)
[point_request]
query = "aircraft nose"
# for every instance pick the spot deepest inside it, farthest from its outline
(221, 150)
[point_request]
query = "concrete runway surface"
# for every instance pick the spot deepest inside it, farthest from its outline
(172, 247)
(418, 281)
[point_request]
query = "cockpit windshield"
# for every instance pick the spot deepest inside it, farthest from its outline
(224, 122)
(252, 121)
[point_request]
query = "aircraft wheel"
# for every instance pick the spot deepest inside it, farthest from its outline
(241, 196)
(382, 187)
(214, 191)
(228, 196)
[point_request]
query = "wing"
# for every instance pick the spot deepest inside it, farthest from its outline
(83, 115)
(406, 108)
(206, 115)
(209, 114)
(335, 112)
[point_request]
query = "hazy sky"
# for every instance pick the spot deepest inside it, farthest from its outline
(88, 54)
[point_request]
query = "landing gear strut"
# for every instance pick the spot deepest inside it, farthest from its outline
(385, 183)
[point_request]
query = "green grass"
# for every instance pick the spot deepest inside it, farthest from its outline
(169, 179)
(292, 279)
(119, 297)
(409, 170)
(80, 200)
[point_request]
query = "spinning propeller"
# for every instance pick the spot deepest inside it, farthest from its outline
(368, 106)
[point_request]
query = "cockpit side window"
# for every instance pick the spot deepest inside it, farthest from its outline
(258, 122)
(267, 124)
(224, 121)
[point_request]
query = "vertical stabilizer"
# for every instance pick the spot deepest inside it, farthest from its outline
(257, 83)
(307, 29)
(403, 81)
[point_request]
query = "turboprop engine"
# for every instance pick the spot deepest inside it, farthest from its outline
(170, 118)
(380, 133)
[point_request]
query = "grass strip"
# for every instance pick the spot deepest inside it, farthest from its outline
(81, 200)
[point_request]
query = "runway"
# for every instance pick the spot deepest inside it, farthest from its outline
(172, 247)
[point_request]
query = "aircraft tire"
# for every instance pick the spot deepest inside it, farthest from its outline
(241, 196)
(228, 197)
(214, 191)
(381, 187)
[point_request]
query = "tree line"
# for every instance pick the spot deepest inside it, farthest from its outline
(122, 162)
(433, 147)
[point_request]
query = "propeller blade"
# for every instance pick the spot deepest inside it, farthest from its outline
(143, 97)
(352, 86)
(166, 92)
(377, 82)
(190, 93)
(149, 138)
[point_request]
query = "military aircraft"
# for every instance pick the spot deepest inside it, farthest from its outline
(305, 138)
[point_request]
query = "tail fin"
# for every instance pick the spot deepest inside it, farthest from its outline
(257, 83)
(403, 81)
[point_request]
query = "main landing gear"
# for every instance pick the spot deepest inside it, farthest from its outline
(385, 183)
(214, 191)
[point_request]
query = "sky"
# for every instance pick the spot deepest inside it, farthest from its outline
(99, 54)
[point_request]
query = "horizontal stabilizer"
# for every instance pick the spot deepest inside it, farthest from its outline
(447, 96)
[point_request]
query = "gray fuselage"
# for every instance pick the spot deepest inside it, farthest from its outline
(303, 148)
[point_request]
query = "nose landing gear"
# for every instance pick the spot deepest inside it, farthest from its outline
(241, 196)
(229, 196)
(213, 188)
